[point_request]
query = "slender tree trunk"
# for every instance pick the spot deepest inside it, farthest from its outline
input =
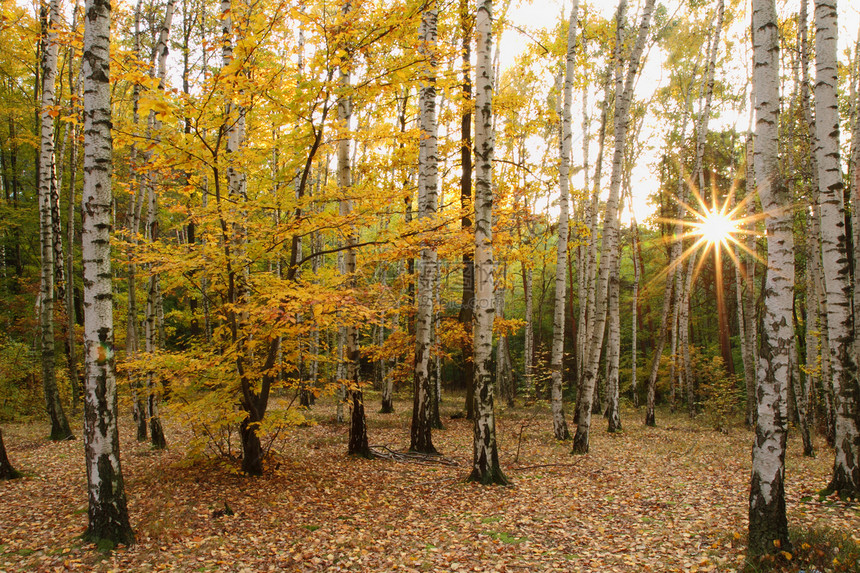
(60, 429)
(436, 399)
(71, 341)
(135, 205)
(428, 166)
(528, 343)
(613, 350)
(108, 513)
(590, 271)
(153, 302)
(814, 236)
(485, 464)
(358, 444)
(746, 303)
(650, 419)
(800, 389)
(609, 247)
(836, 261)
(582, 266)
(559, 424)
(634, 309)
(768, 526)
(467, 303)
(254, 393)
(684, 333)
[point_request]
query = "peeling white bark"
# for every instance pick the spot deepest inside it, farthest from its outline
(108, 514)
(767, 519)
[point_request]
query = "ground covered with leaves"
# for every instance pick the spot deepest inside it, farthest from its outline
(670, 498)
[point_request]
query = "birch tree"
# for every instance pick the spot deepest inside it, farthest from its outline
(768, 526)
(428, 166)
(835, 256)
(133, 227)
(609, 246)
(817, 294)
(60, 429)
(358, 444)
(485, 461)
(153, 299)
(559, 424)
(108, 512)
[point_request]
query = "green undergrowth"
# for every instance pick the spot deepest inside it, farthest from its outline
(812, 551)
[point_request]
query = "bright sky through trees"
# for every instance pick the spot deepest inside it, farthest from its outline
(529, 16)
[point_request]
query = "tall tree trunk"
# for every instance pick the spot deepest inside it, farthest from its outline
(60, 429)
(634, 309)
(436, 399)
(504, 372)
(609, 247)
(135, 206)
(814, 236)
(800, 389)
(836, 261)
(358, 444)
(428, 168)
(582, 267)
(153, 301)
(613, 350)
(485, 464)
(467, 303)
(746, 298)
(590, 268)
(528, 343)
(71, 341)
(108, 512)
(254, 393)
(768, 526)
(559, 424)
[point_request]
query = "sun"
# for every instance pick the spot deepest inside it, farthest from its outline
(719, 224)
(716, 227)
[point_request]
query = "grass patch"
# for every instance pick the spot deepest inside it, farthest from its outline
(505, 537)
(311, 527)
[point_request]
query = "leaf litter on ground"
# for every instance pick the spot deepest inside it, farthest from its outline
(670, 498)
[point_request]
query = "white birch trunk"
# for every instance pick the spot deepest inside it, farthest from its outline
(108, 513)
(528, 344)
(768, 528)
(817, 293)
(613, 350)
(634, 310)
(153, 301)
(559, 424)
(609, 247)
(70, 232)
(135, 205)
(835, 256)
(587, 321)
(60, 429)
(746, 299)
(428, 169)
(485, 464)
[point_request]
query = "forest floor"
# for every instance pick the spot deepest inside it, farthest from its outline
(670, 498)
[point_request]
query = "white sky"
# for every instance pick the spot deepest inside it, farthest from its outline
(546, 13)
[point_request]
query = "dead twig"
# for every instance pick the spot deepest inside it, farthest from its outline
(387, 453)
(567, 465)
